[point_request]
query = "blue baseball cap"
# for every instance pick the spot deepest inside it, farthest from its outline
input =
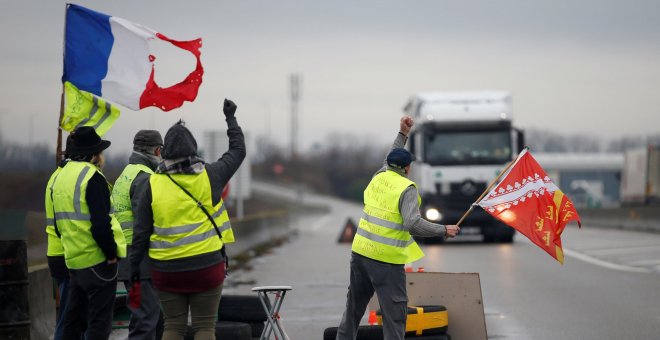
(399, 158)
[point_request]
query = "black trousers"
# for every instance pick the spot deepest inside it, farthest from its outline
(388, 281)
(92, 293)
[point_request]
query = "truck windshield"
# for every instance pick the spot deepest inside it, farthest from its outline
(467, 147)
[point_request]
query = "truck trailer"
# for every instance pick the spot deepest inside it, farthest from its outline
(462, 141)
(640, 184)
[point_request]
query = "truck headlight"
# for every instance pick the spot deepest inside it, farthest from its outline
(433, 214)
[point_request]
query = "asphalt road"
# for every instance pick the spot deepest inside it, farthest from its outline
(608, 288)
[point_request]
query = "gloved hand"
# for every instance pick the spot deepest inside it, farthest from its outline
(135, 291)
(229, 108)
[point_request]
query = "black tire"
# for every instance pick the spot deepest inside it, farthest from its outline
(226, 330)
(233, 330)
(241, 308)
(430, 337)
(257, 328)
(363, 333)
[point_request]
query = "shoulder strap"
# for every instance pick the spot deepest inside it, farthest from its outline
(52, 203)
(57, 231)
(201, 206)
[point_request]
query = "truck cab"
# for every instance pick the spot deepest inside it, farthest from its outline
(462, 140)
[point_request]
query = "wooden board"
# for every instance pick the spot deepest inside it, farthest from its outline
(459, 292)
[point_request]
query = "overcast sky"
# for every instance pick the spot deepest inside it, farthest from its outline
(590, 66)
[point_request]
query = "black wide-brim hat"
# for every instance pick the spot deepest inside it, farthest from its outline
(85, 141)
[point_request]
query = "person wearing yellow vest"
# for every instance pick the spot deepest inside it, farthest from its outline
(91, 236)
(146, 320)
(383, 243)
(182, 223)
(55, 252)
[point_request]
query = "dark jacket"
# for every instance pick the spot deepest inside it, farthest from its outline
(140, 180)
(98, 201)
(219, 173)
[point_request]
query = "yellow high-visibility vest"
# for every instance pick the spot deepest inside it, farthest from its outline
(55, 247)
(71, 213)
(381, 235)
(181, 228)
(121, 198)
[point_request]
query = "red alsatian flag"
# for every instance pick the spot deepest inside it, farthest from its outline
(527, 200)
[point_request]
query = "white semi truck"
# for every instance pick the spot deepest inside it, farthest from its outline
(462, 140)
(641, 176)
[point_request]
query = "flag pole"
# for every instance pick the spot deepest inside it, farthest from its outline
(58, 150)
(490, 186)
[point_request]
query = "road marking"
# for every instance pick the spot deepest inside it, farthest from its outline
(604, 264)
(320, 222)
(622, 250)
(645, 262)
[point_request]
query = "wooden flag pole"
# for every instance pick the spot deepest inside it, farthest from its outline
(490, 186)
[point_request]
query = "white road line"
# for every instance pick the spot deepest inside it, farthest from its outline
(320, 222)
(645, 262)
(604, 264)
(623, 251)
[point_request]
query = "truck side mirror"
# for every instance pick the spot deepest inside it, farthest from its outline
(411, 143)
(520, 137)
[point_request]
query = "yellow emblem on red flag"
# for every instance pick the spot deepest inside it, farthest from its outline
(527, 200)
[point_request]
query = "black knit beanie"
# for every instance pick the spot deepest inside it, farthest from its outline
(179, 142)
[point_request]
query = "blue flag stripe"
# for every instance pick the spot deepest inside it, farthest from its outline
(88, 44)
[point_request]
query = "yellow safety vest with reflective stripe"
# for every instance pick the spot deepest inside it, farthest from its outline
(181, 229)
(55, 247)
(121, 198)
(381, 235)
(71, 214)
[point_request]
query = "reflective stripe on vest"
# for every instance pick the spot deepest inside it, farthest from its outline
(381, 235)
(88, 110)
(181, 229)
(71, 214)
(121, 198)
(55, 247)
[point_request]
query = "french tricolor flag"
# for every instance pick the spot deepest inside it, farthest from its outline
(110, 57)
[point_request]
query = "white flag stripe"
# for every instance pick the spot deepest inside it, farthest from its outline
(129, 67)
(534, 186)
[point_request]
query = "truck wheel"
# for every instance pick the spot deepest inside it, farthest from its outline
(489, 239)
(506, 238)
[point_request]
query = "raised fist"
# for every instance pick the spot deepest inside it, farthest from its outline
(229, 108)
(405, 125)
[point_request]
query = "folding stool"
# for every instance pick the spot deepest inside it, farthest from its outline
(273, 325)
